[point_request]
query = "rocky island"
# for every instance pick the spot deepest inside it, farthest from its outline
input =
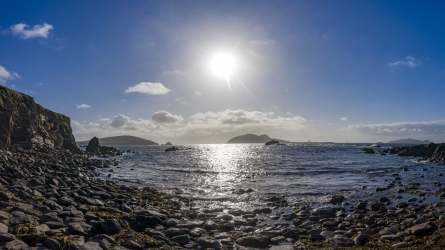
(123, 140)
(251, 138)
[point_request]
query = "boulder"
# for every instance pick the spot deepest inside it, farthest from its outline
(423, 228)
(254, 241)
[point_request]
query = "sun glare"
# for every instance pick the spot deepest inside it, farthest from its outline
(223, 64)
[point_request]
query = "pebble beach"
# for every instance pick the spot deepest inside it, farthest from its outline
(52, 199)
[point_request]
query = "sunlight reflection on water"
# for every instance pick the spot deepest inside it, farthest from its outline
(302, 172)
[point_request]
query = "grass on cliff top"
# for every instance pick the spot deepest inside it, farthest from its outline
(14, 100)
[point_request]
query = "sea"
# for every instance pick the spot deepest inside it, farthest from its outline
(244, 175)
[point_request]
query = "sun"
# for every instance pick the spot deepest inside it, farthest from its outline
(223, 64)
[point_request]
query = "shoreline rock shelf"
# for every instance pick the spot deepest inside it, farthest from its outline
(433, 152)
(50, 199)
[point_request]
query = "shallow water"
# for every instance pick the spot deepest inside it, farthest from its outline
(304, 173)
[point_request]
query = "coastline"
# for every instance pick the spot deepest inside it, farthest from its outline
(51, 199)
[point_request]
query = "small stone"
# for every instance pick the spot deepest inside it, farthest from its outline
(401, 245)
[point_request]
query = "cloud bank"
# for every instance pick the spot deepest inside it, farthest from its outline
(22, 32)
(207, 127)
(436, 128)
(165, 117)
(6, 75)
(148, 88)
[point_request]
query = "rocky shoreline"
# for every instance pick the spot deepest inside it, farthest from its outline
(50, 199)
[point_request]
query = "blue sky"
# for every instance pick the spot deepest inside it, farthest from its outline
(342, 71)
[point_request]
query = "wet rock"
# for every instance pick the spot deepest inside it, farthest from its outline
(254, 241)
(171, 232)
(387, 231)
(181, 239)
(342, 241)
(16, 245)
(361, 205)
(360, 240)
(336, 199)
(401, 245)
(197, 232)
(423, 228)
(210, 225)
(368, 150)
(172, 149)
(294, 234)
(314, 237)
(52, 243)
(327, 235)
(23, 220)
(110, 227)
(208, 242)
(390, 237)
(376, 206)
(7, 237)
(43, 228)
(4, 215)
(104, 236)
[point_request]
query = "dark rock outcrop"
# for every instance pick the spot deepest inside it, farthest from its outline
(25, 123)
(169, 143)
(272, 142)
(171, 149)
(368, 150)
(432, 152)
(95, 148)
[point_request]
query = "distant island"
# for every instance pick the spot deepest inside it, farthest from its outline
(251, 138)
(121, 140)
(409, 141)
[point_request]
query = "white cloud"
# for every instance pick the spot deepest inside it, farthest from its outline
(148, 88)
(119, 121)
(36, 31)
(93, 125)
(410, 61)
(401, 128)
(344, 119)
(198, 94)
(179, 98)
(264, 42)
(83, 106)
(75, 123)
(39, 83)
(165, 117)
(6, 75)
(104, 120)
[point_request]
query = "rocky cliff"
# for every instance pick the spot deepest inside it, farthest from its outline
(25, 123)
